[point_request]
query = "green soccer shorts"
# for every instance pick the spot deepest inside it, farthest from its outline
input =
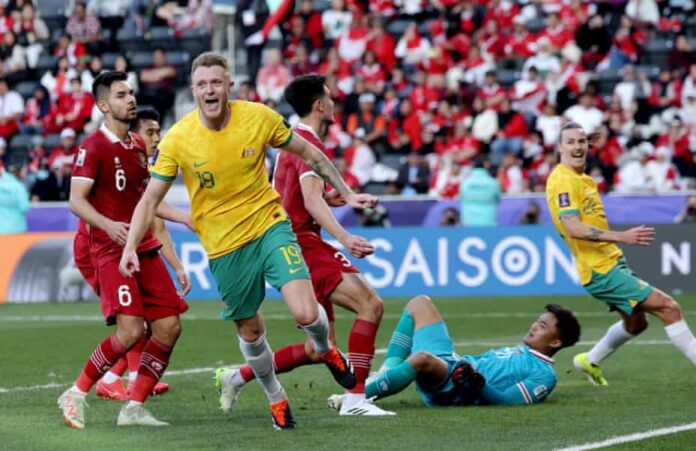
(620, 288)
(241, 275)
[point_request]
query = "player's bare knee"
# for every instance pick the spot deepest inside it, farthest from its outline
(421, 361)
(371, 306)
(636, 325)
(305, 317)
(418, 302)
(129, 336)
(672, 309)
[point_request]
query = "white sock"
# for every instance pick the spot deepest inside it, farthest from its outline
(350, 400)
(681, 336)
(110, 378)
(131, 376)
(78, 391)
(616, 336)
(318, 332)
(237, 379)
(259, 356)
(131, 404)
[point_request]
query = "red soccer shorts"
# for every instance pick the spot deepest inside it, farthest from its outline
(326, 267)
(150, 293)
(84, 261)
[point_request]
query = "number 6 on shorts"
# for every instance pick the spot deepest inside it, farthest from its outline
(124, 296)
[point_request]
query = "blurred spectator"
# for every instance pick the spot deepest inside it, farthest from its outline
(12, 60)
(624, 50)
(63, 175)
(72, 110)
(58, 81)
(157, 83)
(664, 93)
(484, 122)
(64, 153)
(528, 94)
(273, 77)
(36, 111)
(30, 30)
(491, 92)
(14, 200)
(412, 48)
(446, 179)
(11, 109)
(585, 113)
(414, 175)
(594, 40)
(450, 218)
(605, 151)
(311, 23)
(520, 43)
(532, 215)
(335, 20)
(513, 179)
(45, 187)
(557, 34)
(512, 129)
(631, 176)
(74, 51)
(122, 64)
(88, 75)
(360, 158)
(111, 14)
(544, 61)
(405, 129)
(479, 195)
(382, 44)
(196, 14)
(688, 213)
(301, 63)
(250, 17)
(549, 124)
(372, 126)
(661, 175)
(84, 27)
(372, 72)
(596, 175)
(352, 43)
(682, 55)
(246, 92)
(297, 37)
(422, 96)
(350, 178)
(37, 152)
(643, 11)
(689, 86)
(632, 88)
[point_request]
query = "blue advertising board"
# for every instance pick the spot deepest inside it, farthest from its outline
(501, 261)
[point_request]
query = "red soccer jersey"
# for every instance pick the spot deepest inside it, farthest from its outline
(289, 172)
(119, 171)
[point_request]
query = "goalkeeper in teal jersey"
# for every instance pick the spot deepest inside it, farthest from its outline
(421, 350)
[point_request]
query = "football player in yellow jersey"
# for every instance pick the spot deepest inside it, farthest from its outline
(220, 149)
(578, 215)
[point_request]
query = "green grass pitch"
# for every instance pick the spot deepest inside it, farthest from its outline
(652, 386)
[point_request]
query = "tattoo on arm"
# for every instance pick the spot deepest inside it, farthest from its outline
(595, 234)
(327, 171)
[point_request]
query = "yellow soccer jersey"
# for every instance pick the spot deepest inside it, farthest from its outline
(568, 192)
(232, 201)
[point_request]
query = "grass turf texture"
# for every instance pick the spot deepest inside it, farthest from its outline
(651, 386)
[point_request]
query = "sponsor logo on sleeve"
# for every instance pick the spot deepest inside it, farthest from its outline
(564, 200)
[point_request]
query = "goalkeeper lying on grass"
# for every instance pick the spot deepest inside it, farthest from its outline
(421, 350)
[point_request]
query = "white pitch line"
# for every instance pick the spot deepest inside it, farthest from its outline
(632, 437)
(380, 351)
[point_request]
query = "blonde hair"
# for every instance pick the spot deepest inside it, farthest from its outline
(209, 59)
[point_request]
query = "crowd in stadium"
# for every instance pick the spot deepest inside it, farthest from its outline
(443, 82)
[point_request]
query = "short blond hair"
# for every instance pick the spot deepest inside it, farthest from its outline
(209, 59)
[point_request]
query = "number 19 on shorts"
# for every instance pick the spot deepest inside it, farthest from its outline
(292, 256)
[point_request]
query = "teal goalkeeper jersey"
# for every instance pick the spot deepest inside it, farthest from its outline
(515, 375)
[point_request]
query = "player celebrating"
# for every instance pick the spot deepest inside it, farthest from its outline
(334, 278)
(146, 125)
(220, 148)
(108, 180)
(421, 349)
(578, 215)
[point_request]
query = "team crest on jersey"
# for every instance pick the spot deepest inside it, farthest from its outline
(117, 162)
(81, 155)
(248, 152)
(564, 200)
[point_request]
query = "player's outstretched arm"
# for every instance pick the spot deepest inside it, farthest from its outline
(316, 159)
(517, 394)
(169, 253)
(80, 206)
(171, 213)
(313, 197)
(575, 228)
(141, 221)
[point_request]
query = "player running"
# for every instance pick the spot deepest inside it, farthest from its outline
(421, 350)
(220, 148)
(578, 215)
(146, 125)
(108, 179)
(334, 278)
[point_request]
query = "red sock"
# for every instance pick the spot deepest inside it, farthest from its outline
(153, 362)
(103, 358)
(133, 354)
(120, 367)
(284, 360)
(361, 350)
